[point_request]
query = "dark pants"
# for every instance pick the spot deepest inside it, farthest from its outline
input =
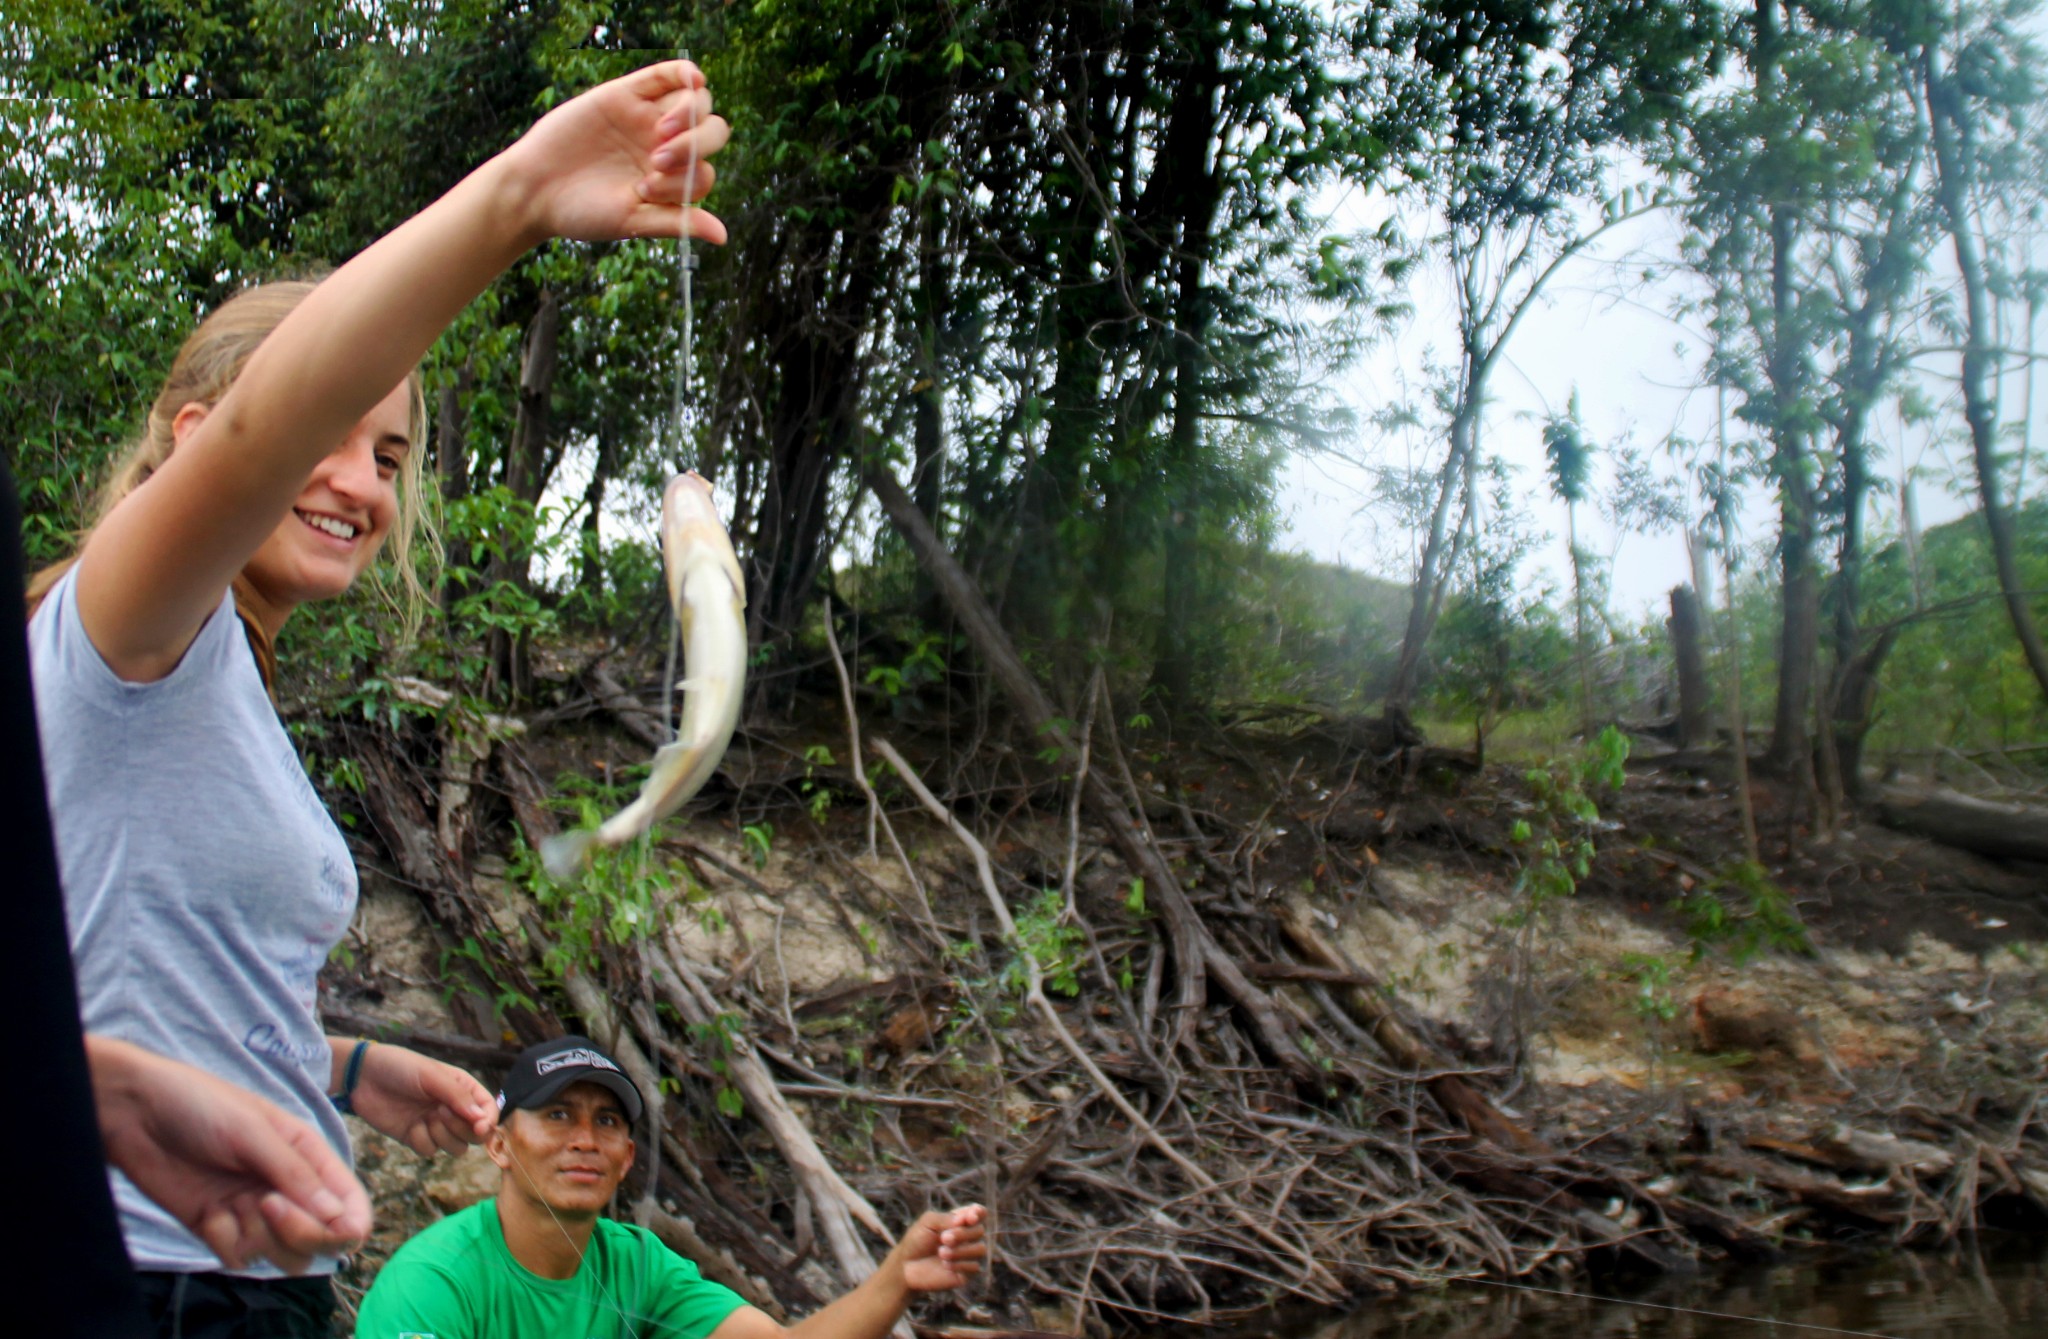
(221, 1306)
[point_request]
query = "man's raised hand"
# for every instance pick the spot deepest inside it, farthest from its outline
(944, 1250)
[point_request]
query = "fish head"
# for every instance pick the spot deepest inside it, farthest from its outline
(693, 533)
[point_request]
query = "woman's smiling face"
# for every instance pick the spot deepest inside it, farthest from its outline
(342, 516)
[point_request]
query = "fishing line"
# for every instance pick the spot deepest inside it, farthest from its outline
(680, 393)
(581, 1251)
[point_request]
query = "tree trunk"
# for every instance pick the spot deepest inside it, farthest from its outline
(2003, 831)
(593, 506)
(1179, 647)
(1688, 651)
(1580, 651)
(1082, 324)
(1432, 572)
(1953, 178)
(451, 465)
(525, 476)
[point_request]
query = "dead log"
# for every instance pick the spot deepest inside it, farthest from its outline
(1883, 1203)
(1844, 1149)
(1730, 1233)
(635, 717)
(681, 1236)
(1197, 955)
(1532, 1185)
(2002, 831)
(1373, 1009)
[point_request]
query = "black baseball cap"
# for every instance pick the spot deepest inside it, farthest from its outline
(544, 1070)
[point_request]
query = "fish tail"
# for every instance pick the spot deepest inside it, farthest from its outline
(563, 854)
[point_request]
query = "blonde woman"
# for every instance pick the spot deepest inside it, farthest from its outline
(204, 881)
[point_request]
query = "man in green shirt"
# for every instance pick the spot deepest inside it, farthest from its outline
(537, 1262)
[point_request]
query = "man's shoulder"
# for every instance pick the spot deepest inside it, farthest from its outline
(618, 1237)
(456, 1237)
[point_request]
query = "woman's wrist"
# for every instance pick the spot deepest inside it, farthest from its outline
(511, 198)
(344, 1092)
(119, 1071)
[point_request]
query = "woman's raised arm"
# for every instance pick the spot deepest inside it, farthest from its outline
(609, 164)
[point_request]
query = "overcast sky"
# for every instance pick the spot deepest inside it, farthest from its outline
(1635, 368)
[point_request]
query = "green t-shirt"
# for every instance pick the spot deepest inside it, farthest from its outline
(458, 1280)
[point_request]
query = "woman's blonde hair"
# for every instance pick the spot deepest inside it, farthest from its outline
(207, 364)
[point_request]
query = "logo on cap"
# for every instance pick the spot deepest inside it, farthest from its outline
(576, 1056)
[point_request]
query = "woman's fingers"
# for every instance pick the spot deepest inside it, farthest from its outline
(687, 111)
(220, 1228)
(663, 79)
(292, 1237)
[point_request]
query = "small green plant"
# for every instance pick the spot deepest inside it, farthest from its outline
(924, 664)
(1051, 943)
(621, 895)
(1651, 974)
(760, 842)
(1742, 913)
(1558, 840)
(817, 795)
(716, 1039)
(1134, 901)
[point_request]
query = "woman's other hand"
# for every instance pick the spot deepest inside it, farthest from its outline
(250, 1181)
(422, 1103)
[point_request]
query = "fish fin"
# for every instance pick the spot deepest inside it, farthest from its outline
(563, 854)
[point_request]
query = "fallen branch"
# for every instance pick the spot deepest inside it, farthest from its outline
(1373, 1009)
(1034, 996)
(838, 1205)
(2003, 831)
(449, 1046)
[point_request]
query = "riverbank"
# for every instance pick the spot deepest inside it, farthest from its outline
(1399, 1067)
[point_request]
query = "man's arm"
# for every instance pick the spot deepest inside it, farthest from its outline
(939, 1252)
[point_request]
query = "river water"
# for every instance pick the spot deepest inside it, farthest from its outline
(1998, 1291)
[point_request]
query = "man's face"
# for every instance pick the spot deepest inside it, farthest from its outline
(569, 1154)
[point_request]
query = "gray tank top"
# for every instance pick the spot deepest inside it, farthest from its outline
(204, 881)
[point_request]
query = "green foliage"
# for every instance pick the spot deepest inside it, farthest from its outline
(817, 794)
(1500, 644)
(715, 1040)
(941, 216)
(1956, 679)
(923, 665)
(623, 894)
(1651, 975)
(760, 842)
(1049, 940)
(1742, 913)
(1555, 844)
